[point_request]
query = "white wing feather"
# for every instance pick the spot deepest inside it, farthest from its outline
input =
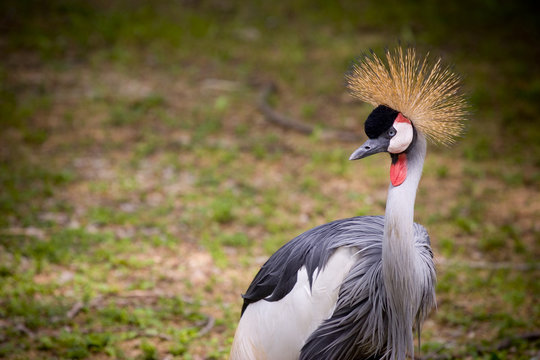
(278, 330)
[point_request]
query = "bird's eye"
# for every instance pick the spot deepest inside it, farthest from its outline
(392, 132)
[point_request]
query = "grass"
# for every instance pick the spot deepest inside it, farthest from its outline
(140, 190)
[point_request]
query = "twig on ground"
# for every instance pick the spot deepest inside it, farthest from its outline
(22, 328)
(286, 122)
(209, 325)
(75, 309)
(148, 333)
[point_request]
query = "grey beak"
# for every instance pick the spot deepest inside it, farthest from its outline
(370, 147)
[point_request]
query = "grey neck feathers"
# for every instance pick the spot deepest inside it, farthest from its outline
(399, 257)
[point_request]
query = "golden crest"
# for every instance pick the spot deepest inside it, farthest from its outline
(427, 93)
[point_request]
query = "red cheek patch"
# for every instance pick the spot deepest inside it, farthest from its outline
(398, 170)
(402, 119)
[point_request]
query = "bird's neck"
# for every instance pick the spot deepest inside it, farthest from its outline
(399, 257)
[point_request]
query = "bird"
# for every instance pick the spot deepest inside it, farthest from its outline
(358, 288)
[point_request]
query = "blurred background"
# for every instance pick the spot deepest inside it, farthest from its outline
(141, 189)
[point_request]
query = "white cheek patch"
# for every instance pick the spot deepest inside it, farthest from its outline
(404, 135)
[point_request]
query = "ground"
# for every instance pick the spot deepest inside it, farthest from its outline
(141, 189)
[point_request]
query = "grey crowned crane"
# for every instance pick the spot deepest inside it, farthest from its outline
(355, 288)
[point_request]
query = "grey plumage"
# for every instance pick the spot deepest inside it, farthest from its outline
(360, 317)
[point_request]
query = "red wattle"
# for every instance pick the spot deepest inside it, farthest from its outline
(398, 170)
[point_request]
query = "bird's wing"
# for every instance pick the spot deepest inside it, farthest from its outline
(311, 249)
(360, 315)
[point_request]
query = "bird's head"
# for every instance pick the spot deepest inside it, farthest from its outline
(388, 131)
(412, 96)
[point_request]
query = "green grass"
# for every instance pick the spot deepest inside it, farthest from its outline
(140, 190)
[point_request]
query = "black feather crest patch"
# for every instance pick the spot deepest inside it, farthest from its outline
(380, 120)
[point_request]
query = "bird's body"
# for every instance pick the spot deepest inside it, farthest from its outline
(350, 253)
(354, 288)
